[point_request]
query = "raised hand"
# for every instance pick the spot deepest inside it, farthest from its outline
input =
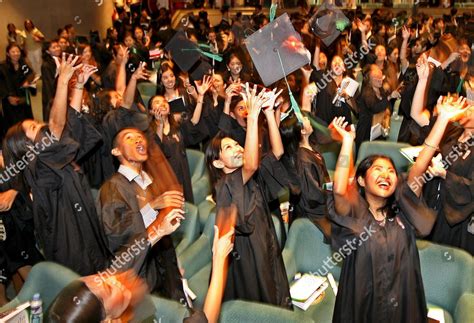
(361, 26)
(122, 55)
(67, 68)
(205, 85)
(141, 73)
(232, 90)
(339, 130)
(405, 33)
(85, 72)
(254, 101)
(450, 108)
(422, 67)
(271, 97)
(221, 247)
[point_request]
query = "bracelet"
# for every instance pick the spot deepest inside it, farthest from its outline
(79, 87)
(430, 146)
(200, 102)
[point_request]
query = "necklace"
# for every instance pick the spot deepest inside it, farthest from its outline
(374, 214)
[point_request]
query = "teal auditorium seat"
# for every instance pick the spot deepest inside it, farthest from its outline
(199, 177)
(390, 149)
(206, 208)
(46, 278)
(448, 278)
(188, 231)
(199, 254)
(197, 262)
(305, 252)
(242, 311)
(147, 90)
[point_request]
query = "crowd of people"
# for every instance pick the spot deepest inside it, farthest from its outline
(98, 132)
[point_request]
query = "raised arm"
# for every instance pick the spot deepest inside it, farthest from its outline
(363, 33)
(129, 95)
(231, 91)
(403, 50)
(121, 77)
(201, 90)
(418, 111)
(274, 133)
(317, 50)
(448, 110)
(452, 57)
(220, 249)
(57, 118)
(344, 165)
(82, 77)
(251, 158)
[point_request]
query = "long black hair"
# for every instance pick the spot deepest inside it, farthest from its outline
(76, 303)
(390, 208)
(290, 131)
(213, 152)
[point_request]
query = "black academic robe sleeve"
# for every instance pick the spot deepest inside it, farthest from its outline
(415, 209)
(82, 131)
(123, 226)
(313, 197)
(459, 197)
(48, 76)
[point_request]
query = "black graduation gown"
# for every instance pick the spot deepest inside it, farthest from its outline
(13, 81)
(324, 108)
(174, 148)
(312, 174)
(256, 269)
(453, 197)
(17, 239)
(48, 76)
(120, 216)
(64, 214)
(369, 105)
(381, 277)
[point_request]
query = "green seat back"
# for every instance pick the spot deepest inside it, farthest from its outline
(390, 149)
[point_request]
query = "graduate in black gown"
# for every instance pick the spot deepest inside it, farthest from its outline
(128, 208)
(18, 251)
(51, 55)
(16, 76)
(449, 186)
(65, 218)
(374, 105)
(256, 269)
(306, 164)
(174, 134)
(450, 192)
(375, 222)
(325, 106)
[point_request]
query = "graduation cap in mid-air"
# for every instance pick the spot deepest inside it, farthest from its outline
(328, 23)
(277, 50)
(190, 57)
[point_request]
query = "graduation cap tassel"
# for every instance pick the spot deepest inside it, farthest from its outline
(273, 10)
(210, 55)
(294, 105)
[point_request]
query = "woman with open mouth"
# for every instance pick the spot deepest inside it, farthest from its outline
(375, 220)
